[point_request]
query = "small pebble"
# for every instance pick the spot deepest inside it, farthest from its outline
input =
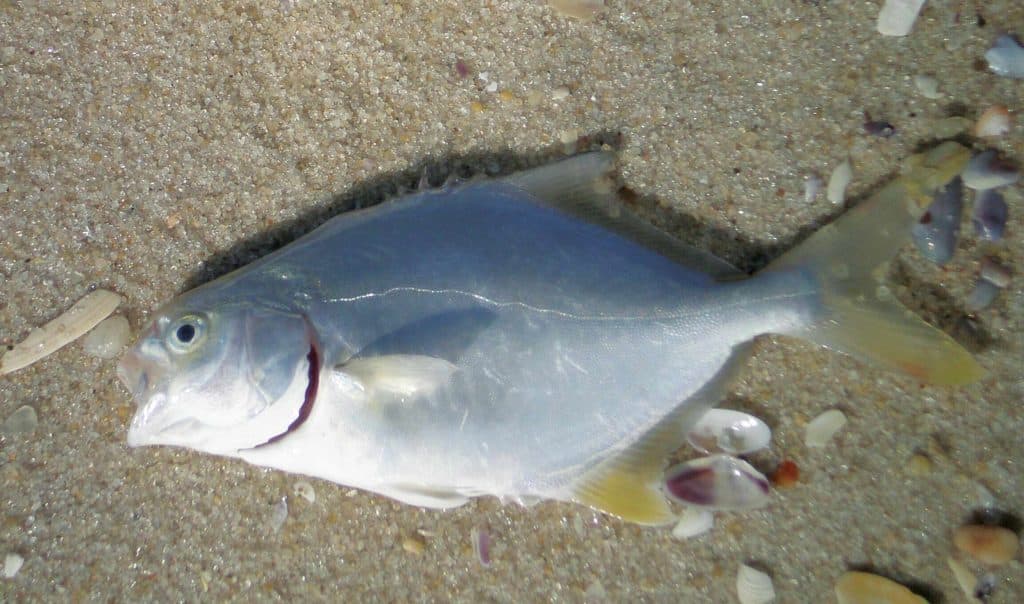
(1006, 57)
(560, 93)
(786, 475)
(837, 183)
(987, 171)
(990, 215)
(415, 545)
(993, 545)
(108, 338)
(12, 564)
(928, 86)
(23, 421)
(995, 121)
(919, 465)
(856, 587)
(897, 17)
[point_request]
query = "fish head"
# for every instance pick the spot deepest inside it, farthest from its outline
(220, 379)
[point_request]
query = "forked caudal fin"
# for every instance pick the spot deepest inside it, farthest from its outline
(849, 258)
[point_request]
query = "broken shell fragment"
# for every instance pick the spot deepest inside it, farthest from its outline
(727, 431)
(821, 429)
(995, 121)
(982, 296)
(12, 564)
(107, 339)
(584, 10)
(992, 545)
(481, 545)
(837, 183)
(753, 586)
(1006, 57)
(987, 171)
(990, 215)
(856, 587)
(717, 482)
(896, 18)
(928, 86)
(937, 232)
(23, 421)
(964, 577)
(994, 273)
(692, 523)
(305, 490)
(68, 327)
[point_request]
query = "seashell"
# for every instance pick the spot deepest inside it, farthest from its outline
(992, 545)
(937, 232)
(692, 523)
(994, 273)
(812, 186)
(717, 482)
(727, 431)
(12, 564)
(584, 10)
(995, 121)
(753, 586)
(987, 171)
(928, 86)
(838, 181)
(68, 327)
(821, 429)
(481, 545)
(982, 296)
(278, 514)
(964, 577)
(1006, 57)
(896, 18)
(990, 214)
(865, 588)
(305, 490)
(108, 338)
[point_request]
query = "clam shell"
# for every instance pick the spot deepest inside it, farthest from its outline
(937, 232)
(987, 171)
(728, 431)
(754, 586)
(1006, 57)
(692, 523)
(856, 587)
(717, 482)
(990, 215)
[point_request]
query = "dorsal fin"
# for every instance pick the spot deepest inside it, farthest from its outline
(585, 187)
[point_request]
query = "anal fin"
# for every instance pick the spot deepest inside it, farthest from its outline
(629, 485)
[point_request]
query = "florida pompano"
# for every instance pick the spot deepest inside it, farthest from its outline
(512, 338)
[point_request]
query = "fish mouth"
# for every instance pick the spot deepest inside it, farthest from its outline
(307, 403)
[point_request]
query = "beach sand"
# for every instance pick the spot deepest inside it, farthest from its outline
(147, 149)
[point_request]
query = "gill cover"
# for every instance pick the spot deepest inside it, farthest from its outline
(220, 380)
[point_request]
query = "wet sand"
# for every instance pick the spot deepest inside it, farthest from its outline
(147, 149)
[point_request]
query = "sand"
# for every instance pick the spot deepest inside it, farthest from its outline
(147, 149)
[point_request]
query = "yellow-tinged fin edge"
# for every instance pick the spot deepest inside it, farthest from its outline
(849, 258)
(629, 484)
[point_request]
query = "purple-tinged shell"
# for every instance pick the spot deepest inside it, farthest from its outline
(990, 215)
(987, 170)
(717, 482)
(937, 232)
(984, 294)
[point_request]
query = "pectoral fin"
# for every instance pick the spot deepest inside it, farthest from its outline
(398, 375)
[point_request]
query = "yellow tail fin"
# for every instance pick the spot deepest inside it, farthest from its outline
(849, 257)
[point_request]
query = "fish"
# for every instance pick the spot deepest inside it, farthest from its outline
(525, 337)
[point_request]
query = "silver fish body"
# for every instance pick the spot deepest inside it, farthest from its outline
(470, 341)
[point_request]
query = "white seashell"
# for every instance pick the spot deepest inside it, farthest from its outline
(987, 171)
(964, 577)
(928, 86)
(305, 490)
(837, 183)
(693, 522)
(12, 564)
(821, 429)
(897, 17)
(754, 586)
(717, 482)
(107, 339)
(68, 327)
(727, 431)
(995, 121)
(812, 186)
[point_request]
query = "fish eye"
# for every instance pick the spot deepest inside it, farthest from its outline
(185, 333)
